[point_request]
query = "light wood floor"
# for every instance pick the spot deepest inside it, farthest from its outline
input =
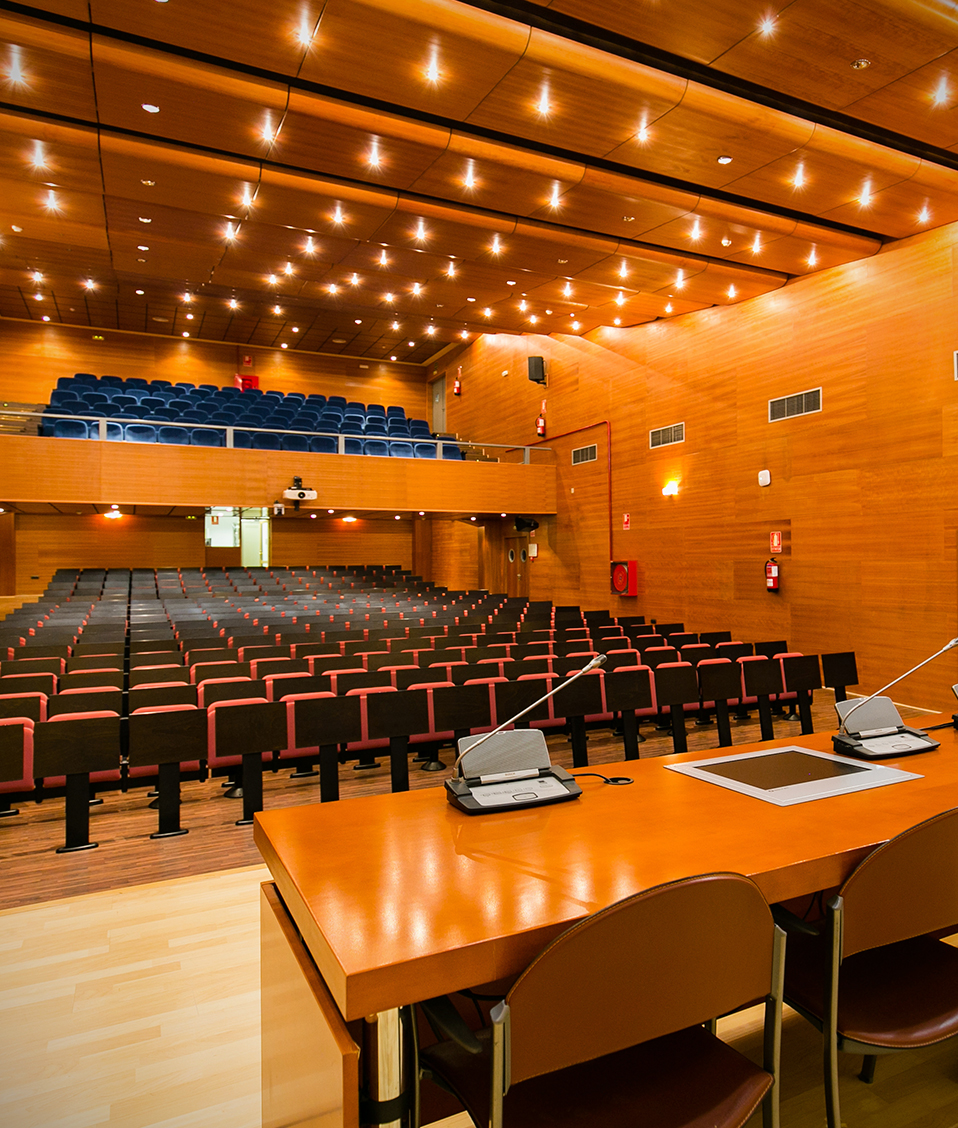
(139, 1008)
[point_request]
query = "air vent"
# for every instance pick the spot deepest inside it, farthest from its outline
(666, 436)
(584, 454)
(804, 403)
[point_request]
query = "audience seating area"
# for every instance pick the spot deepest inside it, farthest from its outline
(127, 679)
(85, 406)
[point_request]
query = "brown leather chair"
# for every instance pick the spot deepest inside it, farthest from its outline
(610, 1024)
(875, 978)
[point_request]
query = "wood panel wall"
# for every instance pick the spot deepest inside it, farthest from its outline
(48, 542)
(329, 540)
(455, 554)
(864, 492)
(35, 356)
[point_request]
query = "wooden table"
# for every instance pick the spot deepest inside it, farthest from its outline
(401, 897)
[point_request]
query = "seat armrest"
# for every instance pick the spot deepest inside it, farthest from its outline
(447, 1022)
(789, 922)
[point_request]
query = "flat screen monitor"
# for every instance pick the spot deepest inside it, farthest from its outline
(785, 776)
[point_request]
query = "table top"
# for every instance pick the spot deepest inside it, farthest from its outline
(402, 897)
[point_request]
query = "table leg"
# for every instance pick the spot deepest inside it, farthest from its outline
(386, 1094)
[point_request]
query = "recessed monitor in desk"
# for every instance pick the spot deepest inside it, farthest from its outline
(785, 776)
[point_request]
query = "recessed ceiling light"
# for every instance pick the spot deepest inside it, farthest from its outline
(140, 292)
(284, 345)
(724, 159)
(13, 227)
(142, 248)
(150, 108)
(46, 318)
(141, 260)
(339, 340)
(161, 319)
(392, 358)
(510, 283)
(625, 219)
(561, 261)
(358, 321)
(470, 299)
(143, 219)
(186, 334)
(295, 328)
(150, 183)
(860, 64)
(38, 297)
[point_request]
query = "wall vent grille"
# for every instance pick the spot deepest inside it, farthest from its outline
(584, 454)
(666, 436)
(803, 403)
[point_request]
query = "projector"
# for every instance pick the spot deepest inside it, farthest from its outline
(300, 495)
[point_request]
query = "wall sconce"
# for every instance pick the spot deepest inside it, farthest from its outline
(670, 489)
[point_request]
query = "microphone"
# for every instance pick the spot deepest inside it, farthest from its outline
(593, 664)
(843, 727)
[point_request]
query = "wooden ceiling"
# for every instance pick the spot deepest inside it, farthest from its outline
(384, 180)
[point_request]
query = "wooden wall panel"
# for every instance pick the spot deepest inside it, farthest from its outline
(8, 554)
(455, 554)
(36, 469)
(48, 542)
(329, 540)
(862, 492)
(35, 356)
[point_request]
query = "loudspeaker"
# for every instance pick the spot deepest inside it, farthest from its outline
(526, 525)
(537, 369)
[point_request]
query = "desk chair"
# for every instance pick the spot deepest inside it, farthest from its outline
(16, 761)
(676, 686)
(875, 978)
(33, 666)
(720, 682)
(761, 681)
(607, 1025)
(397, 716)
(255, 725)
(583, 698)
(802, 676)
(166, 736)
(76, 745)
(839, 671)
(629, 692)
(317, 724)
(32, 705)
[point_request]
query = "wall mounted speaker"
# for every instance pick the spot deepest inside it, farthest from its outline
(537, 369)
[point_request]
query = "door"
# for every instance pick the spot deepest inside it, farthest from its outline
(517, 565)
(439, 404)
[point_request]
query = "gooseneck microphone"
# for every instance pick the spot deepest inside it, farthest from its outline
(594, 664)
(843, 727)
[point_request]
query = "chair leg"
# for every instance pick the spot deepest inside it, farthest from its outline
(830, 1061)
(868, 1068)
(399, 762)
(6, 810)
(328, 773)
(580, 742)
(252, 787)
(77, 814)
(168, 803)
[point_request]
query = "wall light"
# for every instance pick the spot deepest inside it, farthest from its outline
(349, 520)
(670, 489)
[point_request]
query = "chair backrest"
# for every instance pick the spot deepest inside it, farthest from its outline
(662, 960)
(907, 887)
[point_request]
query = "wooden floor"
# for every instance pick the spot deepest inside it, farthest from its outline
(126, 855)
(133, 1001)
(139, 1008)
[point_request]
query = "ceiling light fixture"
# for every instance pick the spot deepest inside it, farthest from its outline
(150, 108)
(861, 64)
(724, 159)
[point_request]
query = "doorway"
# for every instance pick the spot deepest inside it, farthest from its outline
(438, 388)
(516, 565)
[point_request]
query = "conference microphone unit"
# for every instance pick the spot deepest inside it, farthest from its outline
(514, 770)
(879, 731)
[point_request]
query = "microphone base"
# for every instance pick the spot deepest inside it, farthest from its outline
(847, 745)
(461, 795)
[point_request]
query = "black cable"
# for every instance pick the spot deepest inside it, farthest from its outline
(619, 781)
(934, 728)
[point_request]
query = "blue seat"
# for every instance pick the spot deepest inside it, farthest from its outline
(396, 432)
(185, 385)
(139, 394)
(248, 420)
(394, 409)
(131, 416)
(280, 419)
(194, 417)
(136, 382)
(70, 429)
(316, 398)
(451, 451)
(323, 444)
(375, 409)
(242, 440)
(355, 405)
(295, 397)
(112, 381)
(419, 426)
(91, 399)
(114, 432)
(377, 447)
(294, 442)
(206, 437)
(327, 424)
(401, 450)
(340, 400)
(64, 382)
(208, 388)
(348, 428)
(266, 440)
(173, 436)
(223, 418)
(139, 433)
(425, 450)
(252, 393)
(163, 415)
(85, 378)
(352, 445)
(63, 395)
(375, 432)
(161, 383)
(179, 404)
(153, 403)
(124, 401)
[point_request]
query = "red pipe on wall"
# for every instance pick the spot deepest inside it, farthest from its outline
(608, 445)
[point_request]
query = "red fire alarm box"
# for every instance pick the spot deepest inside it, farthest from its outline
(624, 577)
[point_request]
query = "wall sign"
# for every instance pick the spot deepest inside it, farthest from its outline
(626, 521)
(774, 542)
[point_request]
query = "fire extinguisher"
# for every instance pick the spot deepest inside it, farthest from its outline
(771, 574)
(541, 424)
(457, 388)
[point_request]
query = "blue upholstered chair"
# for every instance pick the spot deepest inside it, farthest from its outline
(377, 447)
(139, 433)
(173, 436)
(323, 444)
(206, 437)
(70, 429)
(294, 442)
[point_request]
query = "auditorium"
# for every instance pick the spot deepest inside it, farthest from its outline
(538, 331)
